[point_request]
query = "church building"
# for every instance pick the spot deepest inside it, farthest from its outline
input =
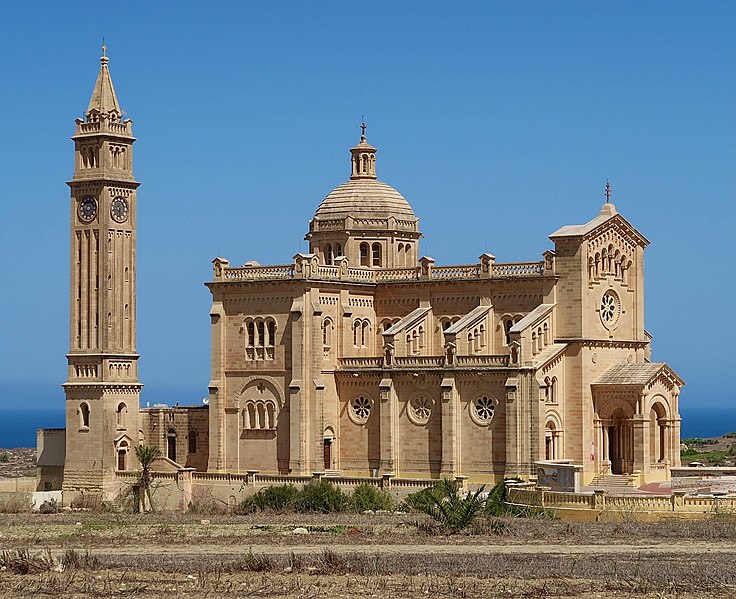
(363, 358)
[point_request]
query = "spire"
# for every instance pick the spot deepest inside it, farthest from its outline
(104, 102)
(363, 158)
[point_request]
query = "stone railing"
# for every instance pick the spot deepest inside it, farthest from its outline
(105, 126)
(599, 500)
(518, 269)
(500, 360)
(259, 273)
(419, 361)
(372, 362)
(306, 266)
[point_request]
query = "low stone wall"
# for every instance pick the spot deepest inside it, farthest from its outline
(701, 479)
(176, 491)
(23, 484)
(599, 501)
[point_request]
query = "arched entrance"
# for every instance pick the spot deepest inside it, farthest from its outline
(658, 440)
(620, 443)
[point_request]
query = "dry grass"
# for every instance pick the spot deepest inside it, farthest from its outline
(164, 555)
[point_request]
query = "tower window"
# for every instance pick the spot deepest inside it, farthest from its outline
(84, 415)
(328, 254)
(364, 254)
(376, 254)
(192, 441)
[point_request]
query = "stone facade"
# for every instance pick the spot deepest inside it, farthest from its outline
(361, 356)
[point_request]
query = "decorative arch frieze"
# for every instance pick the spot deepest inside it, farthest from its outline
(252, 381)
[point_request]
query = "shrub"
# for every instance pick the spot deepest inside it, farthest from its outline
(4, 457)
(322, 497)
(447, 506)
(495, 500)
(247, 506)
(367, 497)
(49, 507)
(279, 498)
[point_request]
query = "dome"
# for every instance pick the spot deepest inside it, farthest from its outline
(364, 198)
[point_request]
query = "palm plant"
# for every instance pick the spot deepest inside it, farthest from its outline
(448, 506)
(145, 454)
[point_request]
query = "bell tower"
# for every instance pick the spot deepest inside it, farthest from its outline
(102, 388)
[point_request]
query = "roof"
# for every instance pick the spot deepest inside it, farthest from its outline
(538, 312)
(608, 212)
(408, 321)
(635, 374)
(364, 198)
(468, 319)
(104, 100)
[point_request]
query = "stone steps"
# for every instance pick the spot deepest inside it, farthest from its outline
(611, 481)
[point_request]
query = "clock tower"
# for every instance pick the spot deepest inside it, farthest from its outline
(102, 388)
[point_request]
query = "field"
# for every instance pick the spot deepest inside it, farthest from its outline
(85, 554)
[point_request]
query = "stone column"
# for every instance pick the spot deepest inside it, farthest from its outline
(449, 410)
(641, 451)
(389, 435)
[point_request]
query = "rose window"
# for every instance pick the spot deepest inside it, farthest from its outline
(609, 309)
(420, 409)
(483, 410)
(361, 409)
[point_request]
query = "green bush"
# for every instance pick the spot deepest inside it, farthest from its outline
(279, 498)
(446, 505)
(367, 497)
(322, 497)
(495, 501)
(4, 457)
(247, 506)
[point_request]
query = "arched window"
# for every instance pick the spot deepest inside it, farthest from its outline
(356, 329)
(400, 255)
(338, 252)
(482, 335)
(270, 415)
(261, 334)
(271, 333)
(508, 323)
(327, 332)
(597, 265)
(376, 254)
(421, 336)
(408, 259)
(534, 343)
(251, 422)
(122, 455)
(408, 344)
(364, 331)
(547, 390)
(553, 390)
(545, 335)
(192, 441)
(251, 329)
(84, 415)
(120, 415)
(364, 254)
(261, 413)
(328, 254)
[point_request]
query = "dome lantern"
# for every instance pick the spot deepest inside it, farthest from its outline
(363, 158)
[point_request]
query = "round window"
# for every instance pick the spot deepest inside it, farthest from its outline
(360, 409)
(483, 410)
(610, 309)
(420, 409)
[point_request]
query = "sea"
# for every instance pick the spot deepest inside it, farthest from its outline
(18, 425)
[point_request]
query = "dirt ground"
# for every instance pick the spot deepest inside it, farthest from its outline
(355, 555)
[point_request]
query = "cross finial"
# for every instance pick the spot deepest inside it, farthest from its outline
(608, 192)
(104, 47)
(362, 128)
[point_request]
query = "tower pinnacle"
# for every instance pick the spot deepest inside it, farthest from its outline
(104, 102)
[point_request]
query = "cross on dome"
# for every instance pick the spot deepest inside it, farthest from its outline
(363, 158)
(608, 192)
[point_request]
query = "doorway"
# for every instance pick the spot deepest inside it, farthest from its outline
(327, 453)
(171, 445)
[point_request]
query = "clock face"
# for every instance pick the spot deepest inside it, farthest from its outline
(119, 210)
(87, 210)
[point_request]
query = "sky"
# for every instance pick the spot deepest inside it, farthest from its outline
(498, 121)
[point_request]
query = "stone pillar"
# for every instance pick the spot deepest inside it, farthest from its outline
(449, 410)
(641, 443)
(389, 414)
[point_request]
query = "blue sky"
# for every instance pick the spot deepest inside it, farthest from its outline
(499, 122)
